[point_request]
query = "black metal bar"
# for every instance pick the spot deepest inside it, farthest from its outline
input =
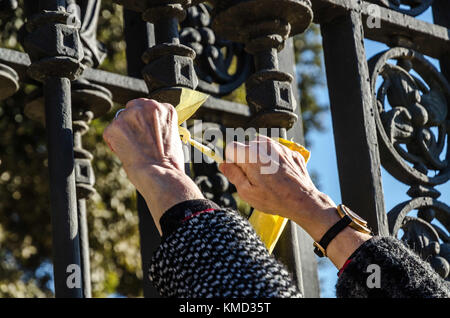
(429, 39)
(295, 246)
(266, 60)
(84, 248)
(66, 248)
(166, 31)
(136, 28)
(353, 121)
(441, 15)
(125, 88)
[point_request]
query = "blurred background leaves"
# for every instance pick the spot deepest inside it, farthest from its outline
(25, 230)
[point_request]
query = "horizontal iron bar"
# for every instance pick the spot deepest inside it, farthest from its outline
(429, 39)
(123, 88)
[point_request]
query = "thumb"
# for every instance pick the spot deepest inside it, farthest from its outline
(235, 174)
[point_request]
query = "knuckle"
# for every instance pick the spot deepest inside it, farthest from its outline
(127, 112)
(151, 103)
(148, 105)
(168, 106)
(136, 103)
(143, 100)
(300, 158)
(125, 117)
(172, 112)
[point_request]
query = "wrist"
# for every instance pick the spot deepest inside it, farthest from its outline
(162, 188)
(317, 215)
(323, 215)
(344, 245)
(167, 188)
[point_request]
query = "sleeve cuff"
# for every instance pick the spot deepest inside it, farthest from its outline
(350, 259)
(173, 218)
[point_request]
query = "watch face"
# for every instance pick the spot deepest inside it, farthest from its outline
(355, 217)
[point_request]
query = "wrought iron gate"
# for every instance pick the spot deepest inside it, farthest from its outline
(384, 113)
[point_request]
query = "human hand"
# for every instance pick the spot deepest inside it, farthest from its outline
(145, 138)
(287, 191)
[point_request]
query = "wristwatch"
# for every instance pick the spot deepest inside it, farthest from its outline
(348, 218)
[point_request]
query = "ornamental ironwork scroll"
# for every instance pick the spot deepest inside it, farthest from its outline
(221, 65)
(409, 7)
(412, 117)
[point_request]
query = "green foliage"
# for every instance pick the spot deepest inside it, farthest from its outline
(310, 78)
(25, 225)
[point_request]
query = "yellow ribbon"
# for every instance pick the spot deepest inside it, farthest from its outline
(268, 226)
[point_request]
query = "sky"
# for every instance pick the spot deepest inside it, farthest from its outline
(323, 163)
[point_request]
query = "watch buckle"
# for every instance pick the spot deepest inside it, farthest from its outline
(320, 248)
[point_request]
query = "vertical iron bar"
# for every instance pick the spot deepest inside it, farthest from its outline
(136, 28)
(353, 119)
(83, 232)
(166, 31)
(441, 15)
(66, 248)
(295, 246)
(266, 60)
(84, 248)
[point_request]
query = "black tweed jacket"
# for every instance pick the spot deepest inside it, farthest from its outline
(207, 251)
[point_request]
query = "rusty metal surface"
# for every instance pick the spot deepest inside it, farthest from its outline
(430, 39)
(123, 88)
(353, 122)
(55, 51)
(409, 7)
(264, 26)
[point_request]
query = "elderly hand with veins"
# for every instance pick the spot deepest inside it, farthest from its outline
(288, 191)
(145, 138)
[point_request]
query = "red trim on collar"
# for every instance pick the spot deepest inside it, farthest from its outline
(196, 214)
(344, 266)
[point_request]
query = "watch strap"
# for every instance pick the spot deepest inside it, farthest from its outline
(321, 247)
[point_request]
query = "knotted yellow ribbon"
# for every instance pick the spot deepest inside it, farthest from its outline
(269, 227)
